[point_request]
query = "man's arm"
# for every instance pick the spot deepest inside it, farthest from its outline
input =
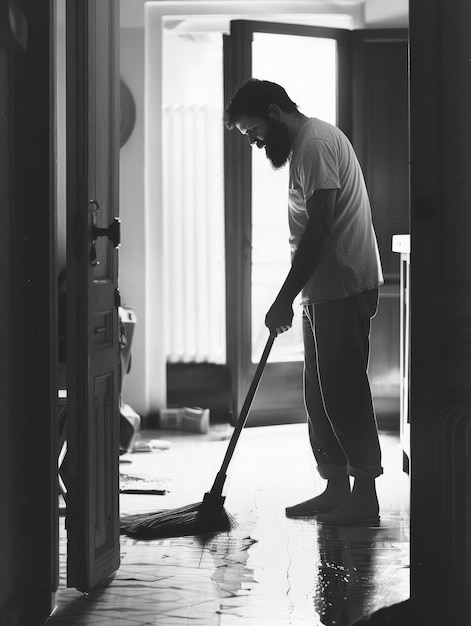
(316, 236)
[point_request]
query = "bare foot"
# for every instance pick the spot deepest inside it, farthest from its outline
(336, 493)
(361, 507)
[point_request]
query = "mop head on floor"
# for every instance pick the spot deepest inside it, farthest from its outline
(203, 518)
(209, 516)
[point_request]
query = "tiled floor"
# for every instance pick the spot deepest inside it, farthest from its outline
(268, 570)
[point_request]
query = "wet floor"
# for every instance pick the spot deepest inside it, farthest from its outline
(266, 571)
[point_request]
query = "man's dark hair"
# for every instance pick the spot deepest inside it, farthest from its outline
(253, 98)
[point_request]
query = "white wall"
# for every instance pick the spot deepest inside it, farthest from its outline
(135, 236)
(386, 13)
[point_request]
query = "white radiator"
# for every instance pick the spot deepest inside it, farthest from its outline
(193, 193)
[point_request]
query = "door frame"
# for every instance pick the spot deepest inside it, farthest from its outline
(440, 391)
(28, 320)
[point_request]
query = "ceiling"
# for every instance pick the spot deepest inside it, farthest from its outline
(216, 14)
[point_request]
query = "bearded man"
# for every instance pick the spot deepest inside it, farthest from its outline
(336, 266)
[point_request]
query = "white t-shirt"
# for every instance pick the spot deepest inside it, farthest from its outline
(323, 158)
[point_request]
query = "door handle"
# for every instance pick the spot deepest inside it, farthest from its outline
(113, 232)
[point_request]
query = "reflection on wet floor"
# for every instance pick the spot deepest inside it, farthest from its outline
(355, 564)
(268, 570)
(230, 554)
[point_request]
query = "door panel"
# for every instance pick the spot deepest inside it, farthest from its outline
(280, 397)
(380, 134)
(92, 292)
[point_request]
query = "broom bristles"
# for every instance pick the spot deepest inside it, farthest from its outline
(192, 519)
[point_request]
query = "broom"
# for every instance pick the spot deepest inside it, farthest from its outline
(208, 516)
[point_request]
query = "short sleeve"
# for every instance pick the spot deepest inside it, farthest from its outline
(317, 167)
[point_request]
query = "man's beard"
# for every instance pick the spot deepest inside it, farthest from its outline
(277, 144)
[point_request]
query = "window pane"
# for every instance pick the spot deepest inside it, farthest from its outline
(307, 68)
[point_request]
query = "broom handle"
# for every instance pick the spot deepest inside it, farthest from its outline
(241, 420)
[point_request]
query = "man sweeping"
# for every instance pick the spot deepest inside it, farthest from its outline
(336, 266)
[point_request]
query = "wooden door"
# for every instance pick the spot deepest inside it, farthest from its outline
(92, 292)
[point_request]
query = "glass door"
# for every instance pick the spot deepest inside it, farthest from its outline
(310, 63)
(276, 57)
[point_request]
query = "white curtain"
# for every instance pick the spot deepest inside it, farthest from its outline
(193, 195)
